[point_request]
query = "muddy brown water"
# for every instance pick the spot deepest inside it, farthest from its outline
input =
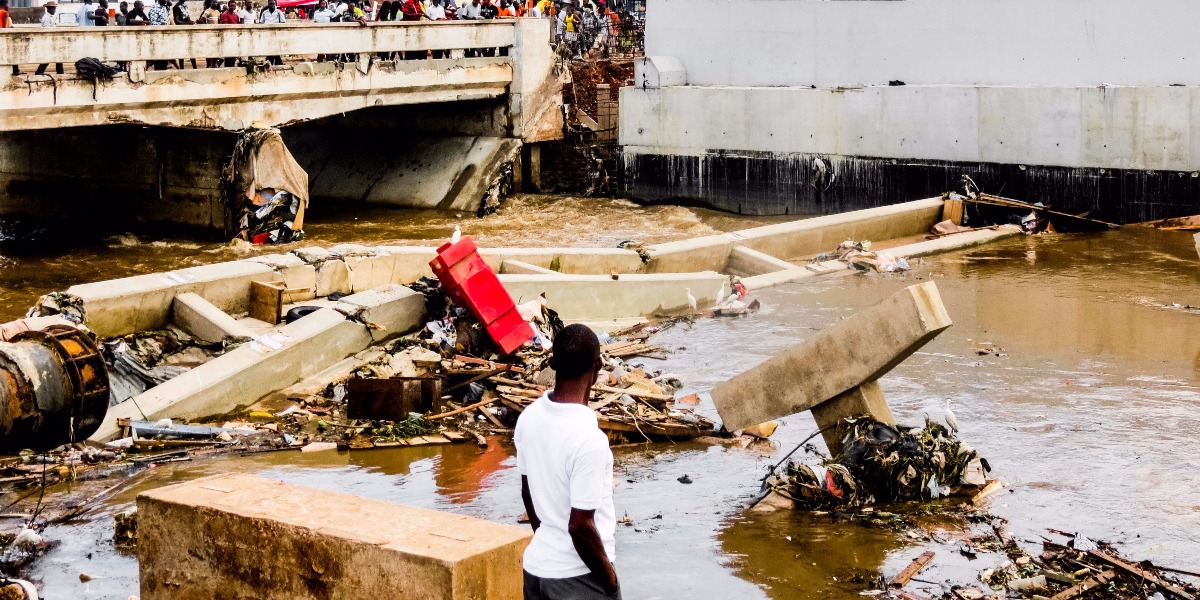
(1088, 415)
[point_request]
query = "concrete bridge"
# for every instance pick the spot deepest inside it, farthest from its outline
(358, 126)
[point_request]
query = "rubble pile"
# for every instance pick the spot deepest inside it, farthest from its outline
(880, 463)
(859, 255)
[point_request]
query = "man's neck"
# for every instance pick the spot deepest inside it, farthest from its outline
(571, 392)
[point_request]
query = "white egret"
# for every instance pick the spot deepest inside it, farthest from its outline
(691, 299)
(456, 235)
(951, 420)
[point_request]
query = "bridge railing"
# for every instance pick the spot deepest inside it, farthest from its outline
(147, 43)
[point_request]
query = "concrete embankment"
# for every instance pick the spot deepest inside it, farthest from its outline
(591, 285)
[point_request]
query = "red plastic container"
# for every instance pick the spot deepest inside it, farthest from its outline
(470, 282)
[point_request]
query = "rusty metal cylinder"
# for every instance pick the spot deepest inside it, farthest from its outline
(53, 389)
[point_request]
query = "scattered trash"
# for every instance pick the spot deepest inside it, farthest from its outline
(684, 479)
(125, 529)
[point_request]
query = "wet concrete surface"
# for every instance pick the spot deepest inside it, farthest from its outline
(1086, 415)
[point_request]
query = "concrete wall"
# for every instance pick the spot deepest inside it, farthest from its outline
(1014, 42)
(1148, 128)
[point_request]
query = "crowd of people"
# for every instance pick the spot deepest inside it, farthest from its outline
(579, 24)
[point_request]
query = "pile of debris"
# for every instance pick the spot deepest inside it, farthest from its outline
(880, 463)
(859, 255)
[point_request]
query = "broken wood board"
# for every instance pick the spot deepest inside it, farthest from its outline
(266, 301)
(903, 577)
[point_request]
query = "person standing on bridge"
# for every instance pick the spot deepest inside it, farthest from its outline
(7, 23)
(229, 16)
(323, 14)
(271, 15)
(160, 13)
(137, 16)
(245, 13)
(86, 14)
(566, 470)
(49, 19)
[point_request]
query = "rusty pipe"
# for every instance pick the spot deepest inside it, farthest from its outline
(53, 389)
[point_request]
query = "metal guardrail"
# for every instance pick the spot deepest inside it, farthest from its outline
(33, 45)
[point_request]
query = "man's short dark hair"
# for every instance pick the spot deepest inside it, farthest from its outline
(576, 352)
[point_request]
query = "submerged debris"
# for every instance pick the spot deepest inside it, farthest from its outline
(884, 464)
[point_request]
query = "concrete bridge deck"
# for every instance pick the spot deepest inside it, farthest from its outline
(301, 90)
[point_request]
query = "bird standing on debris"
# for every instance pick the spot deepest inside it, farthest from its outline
(691, 299)
(951, 420)
(457, 235)
(720, 295)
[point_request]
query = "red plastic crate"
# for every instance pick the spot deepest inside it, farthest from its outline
(471, 283)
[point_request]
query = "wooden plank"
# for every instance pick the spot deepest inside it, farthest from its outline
(470, 360)
(266, 301)
(1087, 584)
(918, 563)
(633, 393)
(511, 405)
(952, 211)
(988, 491)
(1140, 573)
(489, 416)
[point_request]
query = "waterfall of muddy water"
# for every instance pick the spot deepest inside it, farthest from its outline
(33, 263)
(1088, 416)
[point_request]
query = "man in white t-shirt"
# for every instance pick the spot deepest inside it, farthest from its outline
(566, 472)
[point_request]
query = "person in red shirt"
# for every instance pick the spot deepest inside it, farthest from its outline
(229, 16)
(412, 10)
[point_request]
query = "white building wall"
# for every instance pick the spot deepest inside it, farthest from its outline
(1148, 128)
(929, 42)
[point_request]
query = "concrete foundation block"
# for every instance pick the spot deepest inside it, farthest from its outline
(204, 321)
(312, 254)
(239, 536)
(410, 262)
(746, 262)
(393, 308)
(852, 352)
(600, 298)
(333, 276)
(866, 399)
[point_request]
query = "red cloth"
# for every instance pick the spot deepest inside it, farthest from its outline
(228, 18)
(412, 10)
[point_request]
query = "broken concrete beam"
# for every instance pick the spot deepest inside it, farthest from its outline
(240, 536)
(578, 261)
(579, 298)
(955, 241)
(866, 399)
(200, 319)
(332, 276)
(856, 350)
(1196, 238)
(246, 373)
(123, 306)
(766, 280)
(389, 310)
(801, 238)
(746, 262)
(516, 267)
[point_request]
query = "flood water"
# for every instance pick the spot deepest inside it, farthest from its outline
(1087, 416)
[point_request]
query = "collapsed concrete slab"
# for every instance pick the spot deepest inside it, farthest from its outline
(853, 352)
(274, 360)
(239, 536)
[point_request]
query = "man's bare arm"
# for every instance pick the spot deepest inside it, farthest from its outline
(588, 544)
(526, 498)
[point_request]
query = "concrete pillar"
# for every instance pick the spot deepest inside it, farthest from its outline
(747, 262)
(204, 321)
(240, 536)
(866, 399)
(855, 351)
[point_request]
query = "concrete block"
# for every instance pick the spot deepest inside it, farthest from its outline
(957, 241)
(368, 272)
(866, 399)
(393, 308)
(411, 262)
(240, 536)
(333, 276)
(766, 280)
(248, 372)
(658, 71)
(856, 350)
(600, 298)
(294, 272)
(312, 254)
(204, 321)
(1196, 238)
(746, 262)
(516, 267)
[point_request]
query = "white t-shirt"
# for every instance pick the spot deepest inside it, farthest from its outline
(322, 15)
(436, 13)
(83, 13)
(568, 463)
